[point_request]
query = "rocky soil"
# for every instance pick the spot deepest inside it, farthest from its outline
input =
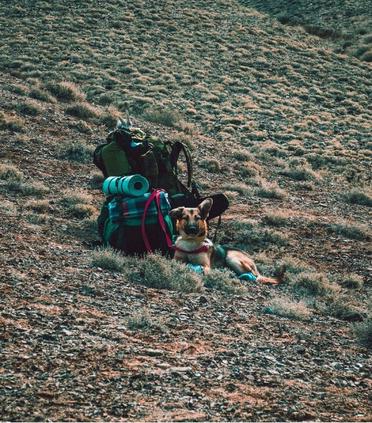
(79, 342)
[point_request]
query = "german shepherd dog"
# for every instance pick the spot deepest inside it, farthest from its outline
(193, 246)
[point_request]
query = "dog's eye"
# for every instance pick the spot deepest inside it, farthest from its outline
(197, 217)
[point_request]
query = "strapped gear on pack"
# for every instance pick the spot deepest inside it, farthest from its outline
(136, 225)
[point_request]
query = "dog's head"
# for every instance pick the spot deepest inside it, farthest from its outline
(191, 222)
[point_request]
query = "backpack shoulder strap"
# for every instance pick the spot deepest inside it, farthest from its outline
(177, 147)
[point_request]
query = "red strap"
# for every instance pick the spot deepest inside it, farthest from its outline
(143, 229)
(154, 195)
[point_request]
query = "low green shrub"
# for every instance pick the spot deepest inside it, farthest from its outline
(352, 281)
(108, 259)
(82, 111)
(29, 108)
(313, 284)
(65, 91)
(10, 172)
(159, 272)
(357, 232)
(77, 151)
(223, 280)
(164, 117)
(363, 332)
(357, 196)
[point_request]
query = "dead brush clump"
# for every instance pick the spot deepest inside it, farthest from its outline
(76, 151)
(29, 108)
(10, 172)
(77, 204)
(41, 95)
(225, 281)
(352, 281)
(142, 321)
(285, 306)
(26, 188)
(246, 234)
(39, 206)
(271, 190)
(248, 169)
(242, 156)
(358, 196)
(82, 110)
(340, 308)
(161, 273)
(299, 173)
(211, 165)
(242, 189)
(65, 91)
(356, 231)
(363, 332)
(164, 117)
(277, 218)
(11, 122)
(313, 284)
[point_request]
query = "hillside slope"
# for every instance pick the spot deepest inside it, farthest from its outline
(277, 120)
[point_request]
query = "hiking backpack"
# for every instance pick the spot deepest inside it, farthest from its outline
(151, 157)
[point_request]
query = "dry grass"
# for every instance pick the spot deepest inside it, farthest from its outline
(287, 307)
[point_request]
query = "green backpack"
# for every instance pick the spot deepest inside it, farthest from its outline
(129, 150)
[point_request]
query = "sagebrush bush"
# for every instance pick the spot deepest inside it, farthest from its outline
(40, 95)
(343, 310)
(287, 307)
(212, 165)
(357, 196)
(65, 91)
(81, 210)
(299, 173)
(70, 198)
(39, 206)
(313, 284)
(163, 116)
(156, 271)
(82, 111)
(294, 265)
(223, 280)
(248, 236)
(363, 331)
(270, 190)
(28, 108)
(352, 281)
(108, 259)
(276, 219)
(10, 172)
(31, 188)
(357, 232)
(11, 123)
(142, 321)
(77, 151)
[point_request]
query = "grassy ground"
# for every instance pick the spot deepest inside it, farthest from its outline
(278, 120)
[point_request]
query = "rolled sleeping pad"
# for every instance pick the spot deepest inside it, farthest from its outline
(133, 185)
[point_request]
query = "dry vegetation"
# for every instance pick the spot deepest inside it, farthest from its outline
(279, 120)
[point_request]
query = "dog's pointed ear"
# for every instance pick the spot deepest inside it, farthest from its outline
(205, 207)
(176, 213)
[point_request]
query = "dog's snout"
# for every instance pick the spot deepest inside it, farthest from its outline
(192, 229)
